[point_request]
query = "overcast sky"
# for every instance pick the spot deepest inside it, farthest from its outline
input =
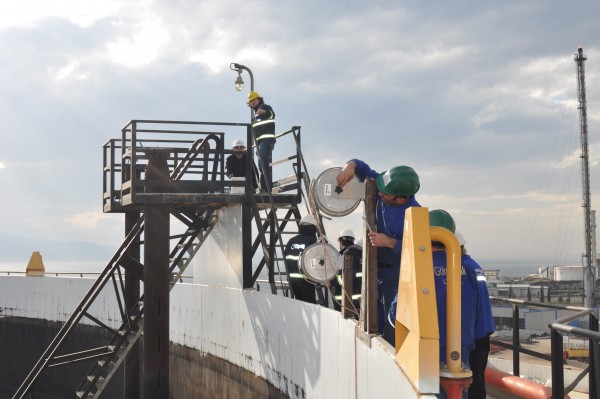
(479, 97)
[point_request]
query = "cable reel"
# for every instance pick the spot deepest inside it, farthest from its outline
(333, 200)
(319, 262)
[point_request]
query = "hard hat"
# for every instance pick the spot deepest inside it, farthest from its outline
(308, 219)
(460, 238)
(239, 143)
(401, 181)
(252, 95)
(347, 233)
(441, 218)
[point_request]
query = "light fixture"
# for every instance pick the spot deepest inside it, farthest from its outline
(239, 82)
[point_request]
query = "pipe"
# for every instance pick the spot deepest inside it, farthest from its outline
(517, 386)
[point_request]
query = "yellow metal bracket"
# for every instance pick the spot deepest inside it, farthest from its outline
(417, 334)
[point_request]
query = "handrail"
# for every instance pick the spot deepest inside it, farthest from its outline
(556, 355)
(192, 154)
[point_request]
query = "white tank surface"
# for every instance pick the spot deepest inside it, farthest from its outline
(568, 273)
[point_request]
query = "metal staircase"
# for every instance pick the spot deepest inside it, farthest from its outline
(275, 223)
(195, 191)
(108, 357)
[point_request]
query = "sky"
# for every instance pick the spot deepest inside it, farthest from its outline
(479, 97)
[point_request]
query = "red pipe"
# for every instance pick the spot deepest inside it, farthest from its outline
(517, 386)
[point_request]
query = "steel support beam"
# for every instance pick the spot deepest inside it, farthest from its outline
(156, 283)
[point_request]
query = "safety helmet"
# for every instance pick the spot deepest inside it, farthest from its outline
(308, 219)
(460, 238)
(346, 234)
(239, 143)
(401, 181)
(252, 95)
(441, 218)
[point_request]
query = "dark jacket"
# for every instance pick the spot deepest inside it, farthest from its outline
(302, 289)
(264, 125)
(355, 251)
(235, 167)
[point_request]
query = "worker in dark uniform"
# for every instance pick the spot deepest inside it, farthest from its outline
(347, 246)
(303, 290)
(235, 164)
(263, 125)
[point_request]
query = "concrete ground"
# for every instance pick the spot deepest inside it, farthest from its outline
(541, 345)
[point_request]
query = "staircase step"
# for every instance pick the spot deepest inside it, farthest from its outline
(284, 180)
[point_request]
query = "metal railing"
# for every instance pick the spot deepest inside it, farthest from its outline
(556, 359)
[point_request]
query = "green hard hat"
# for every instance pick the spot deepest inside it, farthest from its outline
(401, 181)
(441, 218)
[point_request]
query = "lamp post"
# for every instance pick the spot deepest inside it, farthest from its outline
(239, 82)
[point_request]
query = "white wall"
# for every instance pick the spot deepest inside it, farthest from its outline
(305, 350)
(219, 259)
(54, 298)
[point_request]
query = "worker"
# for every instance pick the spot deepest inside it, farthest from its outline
(263, 125)
(484, 326)
(346, 241)
(396, 189)
(307, 229)
(235, 164)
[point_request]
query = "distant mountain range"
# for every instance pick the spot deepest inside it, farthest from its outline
(14, 249)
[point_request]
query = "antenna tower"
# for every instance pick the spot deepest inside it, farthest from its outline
(588, 281)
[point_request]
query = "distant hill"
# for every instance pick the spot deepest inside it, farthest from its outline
(14, 249)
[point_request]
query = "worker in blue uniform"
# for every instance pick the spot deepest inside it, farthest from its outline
(263, 125)
(396, 189)
(307, 229)
(347, 246)
(484, 326)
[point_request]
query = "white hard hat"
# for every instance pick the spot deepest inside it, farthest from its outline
(347, 233)
(460, 238)
(308, 219)
(239, 143)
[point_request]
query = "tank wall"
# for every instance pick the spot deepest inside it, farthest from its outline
(573, 273)
(218, 262)
(304, 350)
(22, 341)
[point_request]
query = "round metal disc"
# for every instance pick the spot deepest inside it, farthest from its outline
(334, 201)
(319, 262)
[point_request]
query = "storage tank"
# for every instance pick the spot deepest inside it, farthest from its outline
(568, 273)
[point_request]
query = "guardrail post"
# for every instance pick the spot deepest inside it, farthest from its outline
(368, 307)
(558, 381)
(516, 341)
(346, 303)
(594, 359)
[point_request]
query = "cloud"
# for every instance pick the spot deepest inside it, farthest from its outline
(487, 115)
(84, 221)
(84, 13)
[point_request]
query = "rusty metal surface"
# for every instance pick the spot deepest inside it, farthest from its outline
(156, 285)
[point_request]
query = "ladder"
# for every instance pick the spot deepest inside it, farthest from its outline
(275, 221)
(109, 357)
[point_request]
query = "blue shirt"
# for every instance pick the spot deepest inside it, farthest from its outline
(484, 325)
(390, 219)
